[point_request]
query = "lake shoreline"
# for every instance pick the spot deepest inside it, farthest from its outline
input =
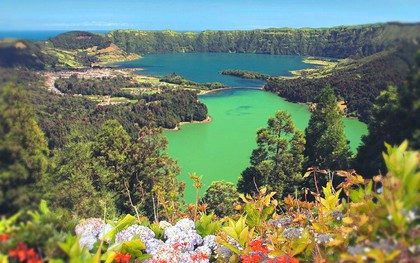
(204, 92)
(178, 126)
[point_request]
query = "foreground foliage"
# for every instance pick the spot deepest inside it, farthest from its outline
(377, 222)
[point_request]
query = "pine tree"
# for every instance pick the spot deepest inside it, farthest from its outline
(395, 118)
(23, 152)
(277, 162)
(326, 143)
(382, 128)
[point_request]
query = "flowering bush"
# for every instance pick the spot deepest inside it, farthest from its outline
(377, 222)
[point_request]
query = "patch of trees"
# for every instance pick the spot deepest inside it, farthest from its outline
(177, 79)
(180, 80)
(358, 82)
(338, 42)
(23, 152)
(79, 40)
(93, 159)
(85, 176)
(170, 107)
(95, 86)
(326, 150)
(283, 152)
(245, 74)
(277, 161)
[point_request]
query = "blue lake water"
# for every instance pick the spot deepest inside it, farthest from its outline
(205, 67)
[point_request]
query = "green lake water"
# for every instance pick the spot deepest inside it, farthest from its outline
(220, 150)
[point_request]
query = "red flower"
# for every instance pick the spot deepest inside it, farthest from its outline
(24, 254)
(4, 237)
(177, 245)
(122, 258)
(251, 258)
(199, 256)
(257, 245)
(19, 252)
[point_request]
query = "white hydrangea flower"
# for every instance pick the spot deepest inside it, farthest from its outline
(205, 250)
(127, 234)
(164, 224)
(171, 231)
(89, 227)
(210, 241)
(89, 231)
(87, 241)
(182, 242)
(166, 253)
(185, 224)
(152, 245)
(106, 228)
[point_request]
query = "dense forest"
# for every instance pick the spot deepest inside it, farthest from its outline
(338, 42)
(357, 82)
(79, 40)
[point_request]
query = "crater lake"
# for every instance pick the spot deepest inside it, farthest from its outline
(220, 150)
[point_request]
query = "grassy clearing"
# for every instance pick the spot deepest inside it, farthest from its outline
(121, 100)
(64, 57)
(145, 79)
(324, 68)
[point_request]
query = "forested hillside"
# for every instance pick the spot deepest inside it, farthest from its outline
(338, 42)
(356, 81)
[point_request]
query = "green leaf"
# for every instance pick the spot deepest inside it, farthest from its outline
(243, 236)
(3, 258)
(110, 257)
(231, 232)
(127, 220)
(44, 208)
(133, 247)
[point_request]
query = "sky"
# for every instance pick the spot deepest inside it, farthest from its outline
(197, 15)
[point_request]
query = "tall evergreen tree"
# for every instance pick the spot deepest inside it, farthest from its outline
(23, 152)
(326, 143)
(382, 128)
(277, 162)
(395, 118)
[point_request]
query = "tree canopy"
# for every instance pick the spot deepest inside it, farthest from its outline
(277, 161)
(395, 119)
(23, 151)
(326, 143)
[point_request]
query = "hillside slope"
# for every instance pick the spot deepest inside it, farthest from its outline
(338, 42)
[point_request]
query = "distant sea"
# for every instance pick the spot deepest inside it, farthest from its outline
(39, 35)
